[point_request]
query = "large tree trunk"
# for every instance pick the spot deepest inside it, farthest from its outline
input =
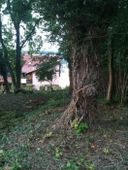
(3, 72)
(11, 73)
(83, 106)
(8, 65)
(70, 77)
(6, 84)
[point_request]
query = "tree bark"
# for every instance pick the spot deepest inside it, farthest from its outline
(70, 77)
(18, 58)
(83, 106)
(110, 72)
(5, 56)
(3, 72)
(6, 84)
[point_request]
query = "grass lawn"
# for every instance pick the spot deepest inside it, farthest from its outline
(27, 143)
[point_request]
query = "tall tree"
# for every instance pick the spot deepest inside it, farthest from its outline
(14, 34)
(116, 48)
(6, 44)
(85, 22)
(120, 27)
(20, 12)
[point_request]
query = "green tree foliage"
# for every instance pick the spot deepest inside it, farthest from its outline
(17, 32)
(117, 34)
(47, 69)
(35, 44)
(120, 27)
(21, 13)
(81, 27)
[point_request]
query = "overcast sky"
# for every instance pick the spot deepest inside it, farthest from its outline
(46, 45)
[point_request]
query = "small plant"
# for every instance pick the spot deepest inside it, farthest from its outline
(70, 166)
(82, 128)
(1, 153)
(48, 135)
(106, 151)
(58, 153)
(16, 165)
(2, 157)
(90, 166)
(74, 124)
(25, 145)
(81, 161)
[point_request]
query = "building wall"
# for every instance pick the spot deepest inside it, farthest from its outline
(62, 79)
(64, 76)
(36, 83)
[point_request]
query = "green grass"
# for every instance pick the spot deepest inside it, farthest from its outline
(27, 142)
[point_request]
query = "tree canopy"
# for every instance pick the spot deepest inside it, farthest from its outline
(83, 27)
(15, 33)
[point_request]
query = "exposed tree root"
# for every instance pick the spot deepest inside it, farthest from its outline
(65, 121)
(84, 97)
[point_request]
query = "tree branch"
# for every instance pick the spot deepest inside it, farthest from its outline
(30, 34)
(9, 9)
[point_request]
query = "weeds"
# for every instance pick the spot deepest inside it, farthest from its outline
(79, 128)
(70, 166)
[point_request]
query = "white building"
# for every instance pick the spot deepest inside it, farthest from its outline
(29, 68)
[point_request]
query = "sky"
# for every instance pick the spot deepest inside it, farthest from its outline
(47, 46)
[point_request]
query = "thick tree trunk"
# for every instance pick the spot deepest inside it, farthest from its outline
(7, 90)
(11, 73)
(3, 71)
(8, 65)
(70, 77)
(83, 106)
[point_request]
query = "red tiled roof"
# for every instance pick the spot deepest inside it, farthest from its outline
(30, 65)
(28, 68)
